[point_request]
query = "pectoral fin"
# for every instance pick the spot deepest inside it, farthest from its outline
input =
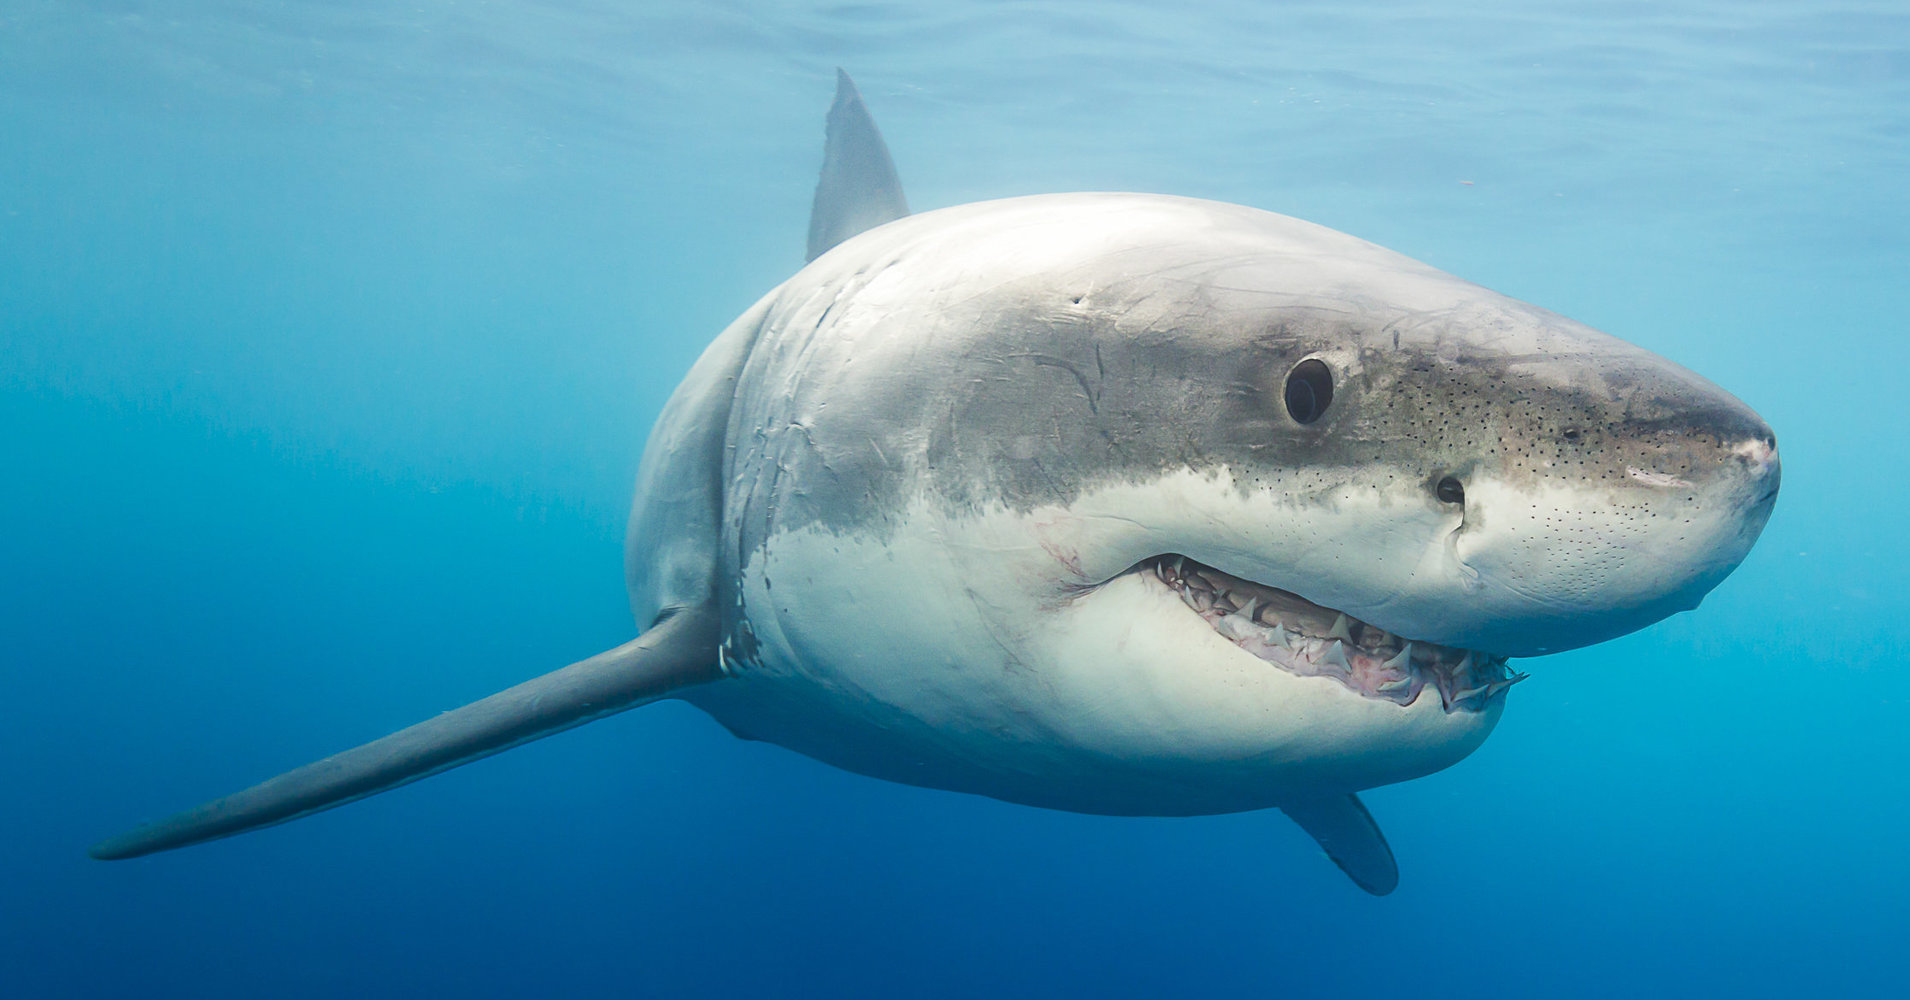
(1349, 836)
(675, 653)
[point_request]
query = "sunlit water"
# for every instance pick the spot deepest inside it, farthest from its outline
(330, 334)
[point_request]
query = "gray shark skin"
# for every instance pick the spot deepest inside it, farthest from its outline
(1124, 504)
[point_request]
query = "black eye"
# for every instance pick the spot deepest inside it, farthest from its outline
(1450, 490)
(1309, 390)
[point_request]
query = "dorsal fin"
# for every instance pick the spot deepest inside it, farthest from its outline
(859, 189)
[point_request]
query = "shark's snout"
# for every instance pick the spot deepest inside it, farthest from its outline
(1758, 456)
(1759, 453)
(1633, 516)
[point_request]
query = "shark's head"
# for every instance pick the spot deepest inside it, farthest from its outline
(1489, 477)
(1368, 437)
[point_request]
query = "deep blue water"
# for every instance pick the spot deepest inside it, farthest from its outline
(330, 334)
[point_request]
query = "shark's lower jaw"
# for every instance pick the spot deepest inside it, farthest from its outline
(1308, 640)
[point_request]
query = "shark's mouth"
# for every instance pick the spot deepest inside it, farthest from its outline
(1303, 638)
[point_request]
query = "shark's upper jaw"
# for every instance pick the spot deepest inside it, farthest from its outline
(1309, 640)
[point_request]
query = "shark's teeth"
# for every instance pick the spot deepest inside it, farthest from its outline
(1276, 626)
(1238, 625)
(1495, 687)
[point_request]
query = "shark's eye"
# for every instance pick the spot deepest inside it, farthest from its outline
(1450, 490)
(1309, 390)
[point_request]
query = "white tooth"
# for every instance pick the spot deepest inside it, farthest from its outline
(1237, 626)
(1497, 686)
(1246, 610)
(1280, 636)
(1465, 664)
(1336, 655)
(1338, 631)
(1467, 693)
(1404, 661)
(1393, 686)
(1178, 562)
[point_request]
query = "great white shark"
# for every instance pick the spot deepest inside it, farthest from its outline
(1123, 504)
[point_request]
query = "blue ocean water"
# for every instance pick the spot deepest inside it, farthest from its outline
(330, 334)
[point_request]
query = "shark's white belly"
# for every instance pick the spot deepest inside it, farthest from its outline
(958, 652)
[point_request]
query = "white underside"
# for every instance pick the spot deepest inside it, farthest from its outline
(961, 654)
